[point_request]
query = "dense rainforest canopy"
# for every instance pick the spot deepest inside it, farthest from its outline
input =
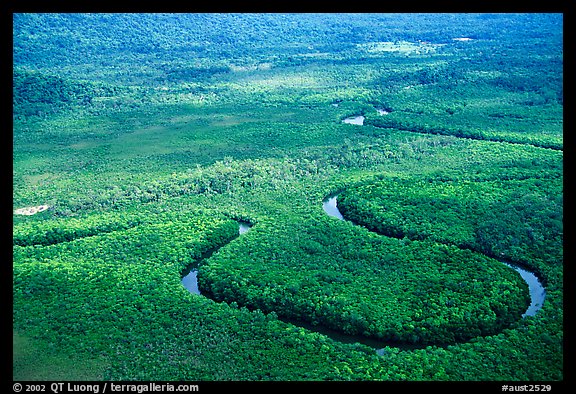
(147, 138)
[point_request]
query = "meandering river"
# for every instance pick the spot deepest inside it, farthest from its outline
(330, 206)
(190, 279)
(537, 291)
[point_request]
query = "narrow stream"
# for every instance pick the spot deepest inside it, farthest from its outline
(330, 206)
(537, 291)
(190, 279)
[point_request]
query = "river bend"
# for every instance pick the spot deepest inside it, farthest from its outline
(330, 206)
(537, 291)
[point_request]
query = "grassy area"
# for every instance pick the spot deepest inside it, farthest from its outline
(33, 360)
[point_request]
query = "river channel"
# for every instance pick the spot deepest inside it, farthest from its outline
(190, 278)
(537, 291)
(330, 206)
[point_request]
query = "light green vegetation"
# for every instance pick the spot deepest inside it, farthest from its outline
(175, 127)
(35, 361)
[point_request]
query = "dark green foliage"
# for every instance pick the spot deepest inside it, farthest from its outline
(518, 220)
(151, 135)
(180, 74)
(37, 94)
(341, 277)
(394, 123)
(53, 232)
